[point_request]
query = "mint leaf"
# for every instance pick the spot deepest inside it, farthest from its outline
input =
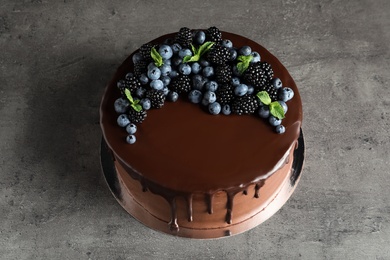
(136, 107)
(156, 57)
(197, 53)
(193, 48)
(276, 110)
(190, 58)
(204, 48)
(133, 103)
(243, 65)
(264, 97)
(128, 95)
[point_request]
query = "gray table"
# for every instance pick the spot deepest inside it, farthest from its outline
(55, 59)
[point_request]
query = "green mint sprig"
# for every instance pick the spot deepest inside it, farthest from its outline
(243, 63)
(197, 53)
(158, 61)
(133, 103)
(274, 107)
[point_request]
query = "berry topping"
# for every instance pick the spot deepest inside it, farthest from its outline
(224, 78)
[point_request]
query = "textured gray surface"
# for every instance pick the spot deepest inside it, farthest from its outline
(56, 57)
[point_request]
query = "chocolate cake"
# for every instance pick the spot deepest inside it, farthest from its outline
(193, 172)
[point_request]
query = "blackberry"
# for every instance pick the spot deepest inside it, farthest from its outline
(140, 68)
(223, 73)
(255, 75)
(137, 117)
(267, 69)
(157, 98)
(272, 92)
(130, 83)
(184, 37)
(225, 94)
(145, 51)
(246, 104)
(218, 54)
(214, 34)
(180, 84)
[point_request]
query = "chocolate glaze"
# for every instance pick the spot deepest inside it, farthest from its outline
(182, 150)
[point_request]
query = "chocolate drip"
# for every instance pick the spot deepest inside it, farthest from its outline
(173, 226)
(229, 206)
(144, 187)
(189, 207)
(209, 201)
(257, 188)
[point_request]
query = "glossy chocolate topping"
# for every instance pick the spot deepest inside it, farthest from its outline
(181, 149)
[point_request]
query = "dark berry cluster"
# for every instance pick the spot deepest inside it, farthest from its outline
(208, 70)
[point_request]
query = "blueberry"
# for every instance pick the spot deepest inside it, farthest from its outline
(137, 57)
(277, 83)
(157, 84)
(195, 96)
(120, 84)
(285, 94)
(140, 92)
(165, 91)
(236, 72)
(129, 75)
(264, 112)
(151, 66)
(121, 105)
(185, 69)
(227, 43)
(208, 71)
(176, 61)
(184, 52)
(284, 105)
(245, 50)
(241, 90)
(123, 120)
(173, 74)
(165, 69)
(280, 129)
(226, 110)
(173, 96)
(235, 81)
(154, 73)
(274, 121)
(143, 79)
(131, 139)
(204, 63)
(199, 37)
(145, 103)
(214, 108)
(233, 54)
(211, 86)
(198, 81)
(167, 62)
(251, 89)
(205, 102)
(210, 97)
(131, 129)
(165, 52)
(256, 56)
(176, 48)
(165, 80)
(195, 68)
